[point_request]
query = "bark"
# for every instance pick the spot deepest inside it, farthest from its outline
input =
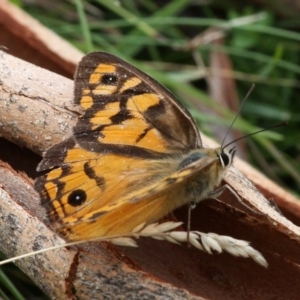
(26, 38)
(155, 267)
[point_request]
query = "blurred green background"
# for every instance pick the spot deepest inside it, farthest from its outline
(178, 42)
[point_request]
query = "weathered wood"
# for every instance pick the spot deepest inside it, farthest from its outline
(155, 267)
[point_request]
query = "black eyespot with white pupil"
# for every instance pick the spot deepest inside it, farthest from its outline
(77, 198)
(109, 79)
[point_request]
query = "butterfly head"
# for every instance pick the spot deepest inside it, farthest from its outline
(223, 159)
(226, 156)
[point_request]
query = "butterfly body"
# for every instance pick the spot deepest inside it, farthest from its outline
(202, 183)
(135, 155)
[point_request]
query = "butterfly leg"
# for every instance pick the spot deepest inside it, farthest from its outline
(220, 190)
(192, 205)
(217, 192)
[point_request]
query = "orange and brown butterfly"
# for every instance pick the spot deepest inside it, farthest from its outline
(135, 155)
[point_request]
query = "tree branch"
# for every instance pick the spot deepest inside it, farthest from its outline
(37, 112)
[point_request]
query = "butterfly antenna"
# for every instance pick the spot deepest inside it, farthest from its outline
(237, 114)
(253, 133)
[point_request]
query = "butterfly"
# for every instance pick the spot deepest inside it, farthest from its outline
(134, 156)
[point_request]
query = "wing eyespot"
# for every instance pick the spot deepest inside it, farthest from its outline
(109, 79)
(77, 198)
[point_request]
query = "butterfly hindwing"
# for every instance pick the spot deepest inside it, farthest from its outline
(105, 193)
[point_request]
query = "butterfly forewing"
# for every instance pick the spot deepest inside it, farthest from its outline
(123, 106)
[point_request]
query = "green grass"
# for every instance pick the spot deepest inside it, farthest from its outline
(263, 49)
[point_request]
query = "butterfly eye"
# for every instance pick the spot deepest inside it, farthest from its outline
(77, 198)
(227, 158)
(109, 79)
(224, 158)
